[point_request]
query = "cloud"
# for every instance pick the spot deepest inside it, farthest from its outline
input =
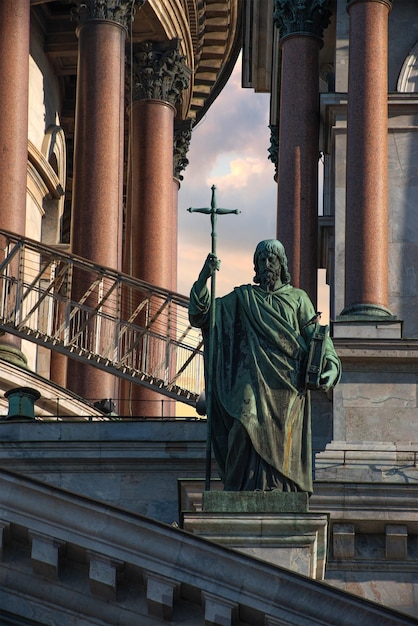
(236, 124)
(241, 172)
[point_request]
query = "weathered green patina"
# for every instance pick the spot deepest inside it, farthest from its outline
(260, 407)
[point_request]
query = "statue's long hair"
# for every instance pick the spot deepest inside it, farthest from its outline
(277, 248)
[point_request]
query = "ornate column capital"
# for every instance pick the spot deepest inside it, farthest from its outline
(387, 3)
(159, 72)
(303, 17)
(182, 137)
(273, 150)
(120, 11)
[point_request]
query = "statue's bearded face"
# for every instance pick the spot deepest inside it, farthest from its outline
(269, 271)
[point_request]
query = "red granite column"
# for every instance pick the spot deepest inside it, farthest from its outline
(297, 205)
(152, 191)
(160, 78)
(14, 89)
(366, 281)
(96, 226)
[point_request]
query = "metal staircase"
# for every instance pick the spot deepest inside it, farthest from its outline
(125, 326)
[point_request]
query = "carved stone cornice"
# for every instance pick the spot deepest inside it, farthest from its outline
(304, 17)
(274, 148)
(159, 72)
(120, 11)
(182, 137)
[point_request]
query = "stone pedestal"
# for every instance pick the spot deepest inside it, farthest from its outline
(275, 527)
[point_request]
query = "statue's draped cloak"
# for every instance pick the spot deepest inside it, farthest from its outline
(260, 352)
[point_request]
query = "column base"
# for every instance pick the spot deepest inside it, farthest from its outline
(13, 355)
(273, 526)
(361, 311)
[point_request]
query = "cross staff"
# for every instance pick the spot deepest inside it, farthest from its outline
(213, 211)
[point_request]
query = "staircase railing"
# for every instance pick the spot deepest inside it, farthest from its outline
(125, 326)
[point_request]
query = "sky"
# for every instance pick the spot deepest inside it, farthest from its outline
(229, 149)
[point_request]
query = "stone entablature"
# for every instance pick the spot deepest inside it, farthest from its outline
(134, 568)
(210, 34)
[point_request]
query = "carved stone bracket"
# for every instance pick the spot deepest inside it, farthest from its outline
(305, 17)
(182, 137)
(274, 147)
(120, 11)
(160, 72)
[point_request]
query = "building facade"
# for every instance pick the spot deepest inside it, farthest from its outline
(359, 126)
(99, 99)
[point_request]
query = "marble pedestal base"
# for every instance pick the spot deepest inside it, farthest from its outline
(273, 526)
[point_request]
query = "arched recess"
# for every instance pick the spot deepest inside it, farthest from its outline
(45, 188)
(54, 153)
(408, 77)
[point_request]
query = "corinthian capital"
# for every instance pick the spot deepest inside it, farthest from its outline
(182, 137)
(160, 71)
(307, 17)
(119, 11)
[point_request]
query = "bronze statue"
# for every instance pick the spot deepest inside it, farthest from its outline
(260, 406)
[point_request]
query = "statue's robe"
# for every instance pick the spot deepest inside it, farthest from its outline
(260, 417)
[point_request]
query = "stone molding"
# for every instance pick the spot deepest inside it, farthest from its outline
(182, 138)
(409, 72)
(296, 541)
(45, 181)
(383, 463)
(159, 72)
(301, 17)
(162, 556)
(333, 111)
(120, 11)
(387, 3)
(55, 402)
(258, 43)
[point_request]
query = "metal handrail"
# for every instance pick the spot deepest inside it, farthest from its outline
(95, 314)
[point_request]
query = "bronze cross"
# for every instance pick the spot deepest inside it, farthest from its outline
(213, 211)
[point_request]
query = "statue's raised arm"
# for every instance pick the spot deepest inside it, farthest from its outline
(199, 296)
